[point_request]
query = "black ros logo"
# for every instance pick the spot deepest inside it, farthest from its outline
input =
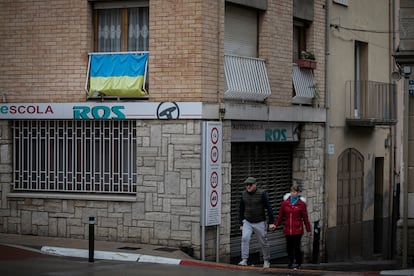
(168, 110)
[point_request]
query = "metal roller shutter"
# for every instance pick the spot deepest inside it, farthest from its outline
(271, 164)
(240, 31)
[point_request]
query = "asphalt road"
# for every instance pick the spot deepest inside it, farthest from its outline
(23, 260)
(15, 261)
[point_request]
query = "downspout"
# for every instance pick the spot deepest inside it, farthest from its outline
(405, 170)
(394, 137)
(327, 110)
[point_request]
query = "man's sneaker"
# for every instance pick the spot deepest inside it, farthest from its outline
(243, 262)
(298, 267)
(266, 264)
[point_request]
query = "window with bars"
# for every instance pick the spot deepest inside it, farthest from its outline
(75, 156)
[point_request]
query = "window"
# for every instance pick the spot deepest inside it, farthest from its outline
(360, 75)
(121, 26)
(120, 31)
(302, 74)
(245, 74)
(240, 31)
(299, 39)
(75, 156)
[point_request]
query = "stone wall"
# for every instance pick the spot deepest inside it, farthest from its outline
(165, 210)
(6, 168)
(410, 241)
(308, 168)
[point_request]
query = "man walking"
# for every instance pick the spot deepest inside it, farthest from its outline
(253, 203)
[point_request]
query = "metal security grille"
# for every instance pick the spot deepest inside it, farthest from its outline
(271, 164)
(75, 156)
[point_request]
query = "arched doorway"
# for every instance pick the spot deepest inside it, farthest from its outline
(350, 195)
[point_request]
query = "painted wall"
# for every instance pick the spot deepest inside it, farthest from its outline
(367, 22)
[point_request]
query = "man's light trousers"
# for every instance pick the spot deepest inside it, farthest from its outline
(260, 229)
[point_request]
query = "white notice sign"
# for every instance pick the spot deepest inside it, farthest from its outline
(211, 172)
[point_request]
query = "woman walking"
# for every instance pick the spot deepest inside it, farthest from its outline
(293, 211)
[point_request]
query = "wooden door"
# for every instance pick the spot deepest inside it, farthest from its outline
(350, 180)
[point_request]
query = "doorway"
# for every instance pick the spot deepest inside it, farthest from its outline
(378, 205)
(350, 191)
(271, 164)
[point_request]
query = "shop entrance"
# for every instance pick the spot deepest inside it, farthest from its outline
(271, 164)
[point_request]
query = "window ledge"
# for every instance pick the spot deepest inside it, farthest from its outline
(103, 98)
(126, 198)
(306, 63)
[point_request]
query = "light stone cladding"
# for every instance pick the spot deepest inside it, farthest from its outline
(308, 163)
(165, 210)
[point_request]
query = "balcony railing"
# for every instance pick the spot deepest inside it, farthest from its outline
(304, 85)
(371, 103)
(245, 78)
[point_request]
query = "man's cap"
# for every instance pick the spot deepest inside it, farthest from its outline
(250, 180)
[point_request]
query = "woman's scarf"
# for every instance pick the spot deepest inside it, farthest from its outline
(294, 200)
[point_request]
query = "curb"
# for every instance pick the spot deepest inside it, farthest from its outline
(106, 255)
(131, 257)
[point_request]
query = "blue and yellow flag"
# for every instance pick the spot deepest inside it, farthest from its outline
(118, 74)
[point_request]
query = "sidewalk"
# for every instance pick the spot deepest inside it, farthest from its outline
(103, 249)
(164, 255)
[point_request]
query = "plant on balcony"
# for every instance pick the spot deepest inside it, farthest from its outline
(307, 60)
(316, 96)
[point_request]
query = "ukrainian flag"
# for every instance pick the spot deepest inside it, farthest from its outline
(118, 74)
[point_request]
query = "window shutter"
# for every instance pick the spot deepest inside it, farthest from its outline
(240, 32)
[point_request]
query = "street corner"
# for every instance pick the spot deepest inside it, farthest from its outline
(12, 252)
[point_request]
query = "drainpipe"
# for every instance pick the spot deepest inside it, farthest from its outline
(405, 185)
(406, 73)
(394, 135)
(327, 110)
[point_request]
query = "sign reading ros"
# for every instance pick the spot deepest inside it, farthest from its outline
(98, 112)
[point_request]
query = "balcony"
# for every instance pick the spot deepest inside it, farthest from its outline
(370, 103)
(117, 75)
(245, 79)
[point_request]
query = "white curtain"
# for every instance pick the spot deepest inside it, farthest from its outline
(109, 30)
(138, 31)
